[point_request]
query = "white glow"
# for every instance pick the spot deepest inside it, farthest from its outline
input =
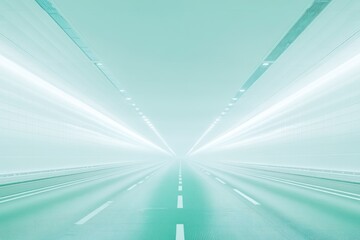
(262, 117)
(71, 101)
(163, 140)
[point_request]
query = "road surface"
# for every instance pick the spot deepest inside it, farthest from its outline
(180, 200)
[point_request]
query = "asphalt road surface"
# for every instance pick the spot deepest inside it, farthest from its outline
(180, 200)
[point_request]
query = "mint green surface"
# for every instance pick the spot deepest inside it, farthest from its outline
(104, 103)
(211, 209)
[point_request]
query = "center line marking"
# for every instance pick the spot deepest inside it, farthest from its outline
(180, 202)
(180, 235)
(131, 187)
(93, 213)
(219, 180)
(246, 197)
(180, 188)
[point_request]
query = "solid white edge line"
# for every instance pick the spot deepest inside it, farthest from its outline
(219, 180)
(131, 187)
(331, 191)
(93, 213)
(39, 191)
(180, 202)
(315, 189)
(313, 186)
(246, 197)
(180, 235)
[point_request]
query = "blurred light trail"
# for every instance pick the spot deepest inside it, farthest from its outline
(73, 102)
(332, 76)
(50, 9)
(302, 23)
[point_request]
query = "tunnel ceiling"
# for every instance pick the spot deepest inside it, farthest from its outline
(181, 62)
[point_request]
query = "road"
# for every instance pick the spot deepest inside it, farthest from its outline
(180, 200)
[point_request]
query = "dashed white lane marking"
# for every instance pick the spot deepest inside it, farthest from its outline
(180, 202)
(246, 197)
(180, 182)
(180, 235)
(180, 179)
(219, 180)
(140, 182)
(131, 187)
(93, 213)
(147, 177)
(180, 188)
(207, 173)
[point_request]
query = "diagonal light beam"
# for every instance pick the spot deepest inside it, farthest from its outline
(36, 81)
(345, 68)
(301, 24)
